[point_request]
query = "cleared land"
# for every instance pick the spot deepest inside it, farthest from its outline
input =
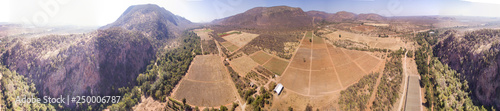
(240, 39)
(321, 60)
(276, 65)
(320, 85)
(203, 33)
(230, 46)
(206, 84)
(243, 65)
(318, 68)
(302, 59)
(260, 57)
(372, 41)
(377, 24)
(349, 73)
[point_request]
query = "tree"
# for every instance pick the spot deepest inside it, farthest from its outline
(340, 36)
(183, 101)
(290, 108)
(223, 108)
(309, 107)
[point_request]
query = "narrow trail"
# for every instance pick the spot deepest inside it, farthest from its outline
(375, 89)
(405, 78)
(310, 64)
(233, 86)
(218, 48)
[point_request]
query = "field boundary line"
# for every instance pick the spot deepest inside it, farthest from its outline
(187, 79)
(310, 63)
(233, 86)
(405, 86)
(303, 69)
(180, 81)
(293, 56)
(354, 62)
(334, 69)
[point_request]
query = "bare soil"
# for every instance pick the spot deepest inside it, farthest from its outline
(206, 84)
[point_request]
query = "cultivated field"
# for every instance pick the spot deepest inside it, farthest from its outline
(276, 65)
(243, 65)
(377, 24)
(372, 41)
(363, 28)
(230, 46)
(260, 57)
(319, 68)
(240, 40)
(203, 33)
(206, 84)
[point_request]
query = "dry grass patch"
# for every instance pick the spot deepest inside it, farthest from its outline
(372, 41)
(203, 33)
(240, 39)
(377, 24)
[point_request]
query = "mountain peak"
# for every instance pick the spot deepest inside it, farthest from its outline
(269, 17)
(152, 20)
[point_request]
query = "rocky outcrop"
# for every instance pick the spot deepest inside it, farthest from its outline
(476, 55)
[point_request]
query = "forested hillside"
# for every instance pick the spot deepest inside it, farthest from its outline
(162, 74)
(14, 85)
(445, 88)
(476, 55)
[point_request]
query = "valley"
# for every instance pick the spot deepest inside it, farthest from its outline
(263, 59)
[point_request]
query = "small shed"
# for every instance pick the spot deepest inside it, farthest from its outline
(278, 88)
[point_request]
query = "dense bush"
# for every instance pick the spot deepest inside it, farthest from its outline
(390, 83)
(163, 74)
(356, 96)
(14, 85)
(445, 89)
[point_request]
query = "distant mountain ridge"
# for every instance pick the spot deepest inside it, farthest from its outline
(290, 17)
(344, 16)
(269, 17)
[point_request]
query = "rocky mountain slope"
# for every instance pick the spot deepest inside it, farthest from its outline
(151, 20)
(476, 55)
(269, 18)
(96, 63)
(344, 16)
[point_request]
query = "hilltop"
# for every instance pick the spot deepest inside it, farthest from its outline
(269, 17)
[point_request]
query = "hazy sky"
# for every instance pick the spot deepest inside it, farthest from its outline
(102, 12)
